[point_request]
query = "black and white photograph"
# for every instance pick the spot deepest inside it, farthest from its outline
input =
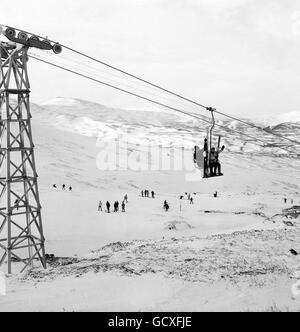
(150, 158)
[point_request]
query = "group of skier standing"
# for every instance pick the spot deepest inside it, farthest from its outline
(116, 206)
(146, 193)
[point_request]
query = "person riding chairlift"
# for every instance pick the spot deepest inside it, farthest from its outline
(205, 157)
(214, 163)
(197, 151)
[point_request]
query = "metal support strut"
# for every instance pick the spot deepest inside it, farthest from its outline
(210, 134)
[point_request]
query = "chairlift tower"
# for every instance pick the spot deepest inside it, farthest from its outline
(22, 238)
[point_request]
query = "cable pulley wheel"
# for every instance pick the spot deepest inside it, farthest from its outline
(23, 36)
(57, 49)
(10, 33)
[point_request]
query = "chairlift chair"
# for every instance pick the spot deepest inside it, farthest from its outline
(202, 157)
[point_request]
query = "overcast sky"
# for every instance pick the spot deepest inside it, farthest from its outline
(241, 56)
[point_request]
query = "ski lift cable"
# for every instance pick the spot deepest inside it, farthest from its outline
(117, 88)
(180, 96)
(252, 125)
(114, 75)
(71, 59)
(170, 92)
(119, 77)
(86, 72)
(128, 86)
(77, 69)
(177, 95)
(159, 103)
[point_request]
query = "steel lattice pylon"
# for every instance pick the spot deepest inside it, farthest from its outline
(21, 231)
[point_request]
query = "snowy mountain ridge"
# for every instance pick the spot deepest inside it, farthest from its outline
(165, 127)
(274, 120)
(79, 104)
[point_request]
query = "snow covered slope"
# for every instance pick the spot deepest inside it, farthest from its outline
(66, 132)
(250, 194)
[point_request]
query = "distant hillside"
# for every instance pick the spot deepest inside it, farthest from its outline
(164, 127)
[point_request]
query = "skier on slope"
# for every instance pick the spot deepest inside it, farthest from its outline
(116, 206)
(108, 206)
(166, 206)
